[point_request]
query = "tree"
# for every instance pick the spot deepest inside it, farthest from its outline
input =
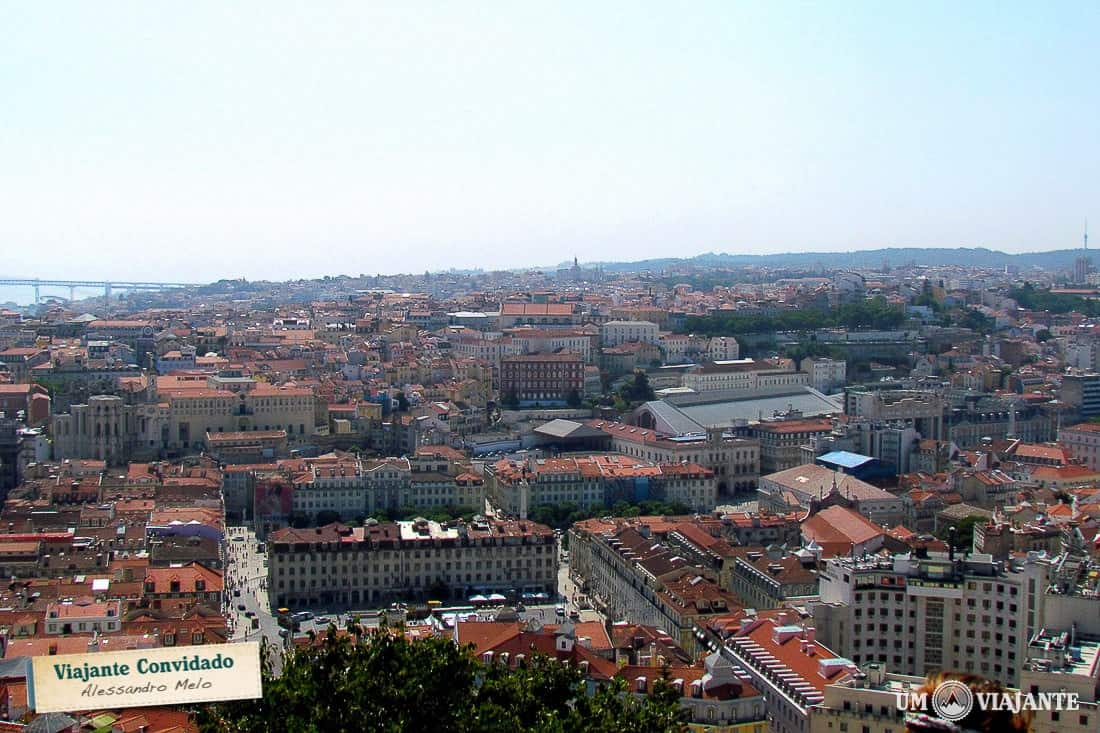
(402, 402)
(510, 401)
(573, 399)
(327, 516)
(964, 532)
(381, 681)
(638, 389)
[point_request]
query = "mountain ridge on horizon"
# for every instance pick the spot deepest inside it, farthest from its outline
(892, 256)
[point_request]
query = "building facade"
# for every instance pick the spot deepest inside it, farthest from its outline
(542, 377)
(380, 562)
(971, 614)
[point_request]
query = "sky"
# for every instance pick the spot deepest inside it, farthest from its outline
(200, 140)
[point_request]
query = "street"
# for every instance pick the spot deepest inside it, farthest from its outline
(246, 574)
(568, 590)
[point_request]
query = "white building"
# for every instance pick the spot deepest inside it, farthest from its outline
(614, 333)
(1083, 443)
(970, 614)
(723, 348)
(744, 375)
(826, 375)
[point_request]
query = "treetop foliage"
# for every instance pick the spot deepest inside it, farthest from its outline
(380, 681)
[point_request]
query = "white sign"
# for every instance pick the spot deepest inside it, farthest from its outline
(141, 677)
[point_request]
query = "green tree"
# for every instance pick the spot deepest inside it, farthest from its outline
(327, 516)
(381, 681)
(638, 389)
(510, 401)
(573, 399)
(964, 532)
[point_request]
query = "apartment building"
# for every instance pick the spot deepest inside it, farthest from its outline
(922, 410)
(354, 487)
(83, 615)
(597, 480)
(784, 660)
(630, 574)
(542, 377)
(1082, 392)
(33, 400)
(770, 577)
(866, 700)
(528, 340)
(379, 562)
(678, 348)
(918, 614)
(734, 461)
(1082, 441)
(742, 375)
(1064, 660)
(723, 348)
(826, 375)
(781, 441)
(1057, 662)
(614, 333)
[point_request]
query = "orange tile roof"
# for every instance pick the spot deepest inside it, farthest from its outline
(161, 579)
(839, 526)
(789, 653)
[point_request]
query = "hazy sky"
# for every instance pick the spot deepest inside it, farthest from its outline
(199, 140)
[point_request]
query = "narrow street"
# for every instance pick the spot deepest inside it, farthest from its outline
(246, 589)
(568, 590)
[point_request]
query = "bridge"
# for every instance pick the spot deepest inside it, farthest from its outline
(107, 285)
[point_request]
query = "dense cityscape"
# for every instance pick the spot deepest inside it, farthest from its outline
(787, 498)
(572, 367)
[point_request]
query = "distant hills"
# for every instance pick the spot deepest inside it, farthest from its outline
(864, 259)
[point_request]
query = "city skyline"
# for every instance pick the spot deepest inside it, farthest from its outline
(248, 140)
